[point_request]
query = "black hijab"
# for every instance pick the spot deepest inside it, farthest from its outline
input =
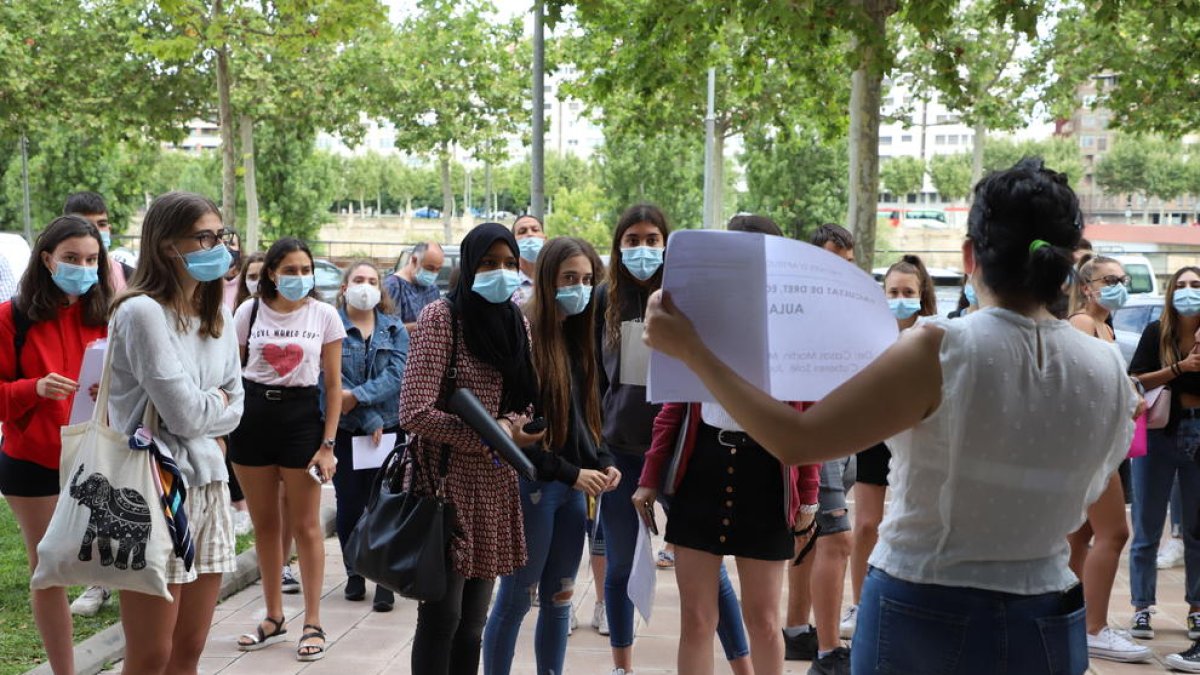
(494, 333)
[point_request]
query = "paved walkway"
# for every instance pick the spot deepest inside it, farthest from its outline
(362, 642)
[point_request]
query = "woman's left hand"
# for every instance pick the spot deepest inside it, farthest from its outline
(377, 437)
(614, 478)
(668, 330)
(325, 462)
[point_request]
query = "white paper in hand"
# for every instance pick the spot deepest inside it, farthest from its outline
(643, 576)
(366, 455)
(89, 374)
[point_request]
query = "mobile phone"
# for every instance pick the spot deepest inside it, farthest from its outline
(648, 511)
(536, 426)
(315, 473)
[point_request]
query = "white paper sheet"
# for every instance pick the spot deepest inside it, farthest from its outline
(635, 355)
(366, 455)
(793, 319)
(643, 576)
(89, 374)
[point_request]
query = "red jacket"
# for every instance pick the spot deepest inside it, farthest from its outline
(31, 423)
(800, 482)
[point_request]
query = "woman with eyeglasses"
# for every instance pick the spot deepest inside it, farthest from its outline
(289, 339)
(1100, 289)
(1168, 355)
(173, 346)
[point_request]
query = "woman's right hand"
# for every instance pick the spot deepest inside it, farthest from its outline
(1191, 364)
(591, 482)
(643, 502)
(517, 432)
(56, 387)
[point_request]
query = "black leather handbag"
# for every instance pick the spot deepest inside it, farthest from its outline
(402, 540)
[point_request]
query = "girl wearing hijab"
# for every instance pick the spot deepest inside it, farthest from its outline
(489, 338)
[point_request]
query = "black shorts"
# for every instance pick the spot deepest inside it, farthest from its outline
(283, 430)
(873, 465)
(22, 478)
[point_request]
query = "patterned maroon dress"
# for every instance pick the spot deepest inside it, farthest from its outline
(490, 541)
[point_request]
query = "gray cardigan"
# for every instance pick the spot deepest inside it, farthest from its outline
(183, 374)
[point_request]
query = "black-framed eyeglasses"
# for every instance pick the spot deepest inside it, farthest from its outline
(1113, 280)
(208, 239)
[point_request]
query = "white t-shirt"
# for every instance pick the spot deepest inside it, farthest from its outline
(285, 349)
(1035, 417)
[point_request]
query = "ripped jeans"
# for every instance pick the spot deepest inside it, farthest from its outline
(555, 517)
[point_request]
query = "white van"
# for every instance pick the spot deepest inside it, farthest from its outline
(1142, 280)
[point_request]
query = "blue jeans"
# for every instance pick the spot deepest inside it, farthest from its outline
(924, 629)
(620, 523)
(554, 517)
(1167, 458)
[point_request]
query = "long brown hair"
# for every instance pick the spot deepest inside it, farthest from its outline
(385, 299)
(556, 344)
(1083, 277)
(40, 298)
(243, 290)
(911, 264)
(169, 219)
(618, 276)
(1168, 345)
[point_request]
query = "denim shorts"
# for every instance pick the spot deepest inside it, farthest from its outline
(906, 628)
(837, 477)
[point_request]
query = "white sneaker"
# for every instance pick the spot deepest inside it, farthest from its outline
(1111, 645)
(849, 622)
(241, 523)
(1170, 554)
(290, 583)
(91, 601)
(621, 671)
(600, 619)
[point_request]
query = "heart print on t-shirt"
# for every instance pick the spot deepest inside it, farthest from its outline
(283, 359)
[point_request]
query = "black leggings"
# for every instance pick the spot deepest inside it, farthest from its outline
(449, 630)
(352, 488)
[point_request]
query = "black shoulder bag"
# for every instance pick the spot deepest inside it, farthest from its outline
(402, 540)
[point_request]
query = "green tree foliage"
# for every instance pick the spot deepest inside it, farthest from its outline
(796, 178)
(296, 184)
(902, 176)
(951, 175)
(579, 212)
(666, 169)
(1125, 169)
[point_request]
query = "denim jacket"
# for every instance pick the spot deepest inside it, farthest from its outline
(373, 374)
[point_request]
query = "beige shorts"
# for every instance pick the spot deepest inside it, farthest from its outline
(211, 525)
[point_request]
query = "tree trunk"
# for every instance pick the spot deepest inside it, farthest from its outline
(225, 120)
(977, 157)
(865, 96)
(246, 125)
(447, 195)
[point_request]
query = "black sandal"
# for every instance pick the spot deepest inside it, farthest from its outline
(316, 633)
(262, 639)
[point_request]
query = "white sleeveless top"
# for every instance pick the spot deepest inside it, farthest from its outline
(987, 488)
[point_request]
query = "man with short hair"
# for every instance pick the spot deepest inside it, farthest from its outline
(531, 235)
(414, 285)
(835, 239)
(91, 206)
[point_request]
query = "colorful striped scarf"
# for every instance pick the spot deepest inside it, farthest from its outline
(173, 495)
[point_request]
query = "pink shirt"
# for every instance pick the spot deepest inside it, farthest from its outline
(231, 291)
(284, 350)
(116, 275)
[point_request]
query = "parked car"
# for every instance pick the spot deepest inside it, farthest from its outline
(427, 212)
(1131, 320)
(1142, 280)
(329, 280)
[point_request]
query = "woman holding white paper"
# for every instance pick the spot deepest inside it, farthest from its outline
(373, 355)
(995, 456)
(62, 306)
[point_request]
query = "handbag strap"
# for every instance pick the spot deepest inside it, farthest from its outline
(449, 384)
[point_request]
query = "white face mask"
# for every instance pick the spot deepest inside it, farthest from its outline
(252, 286)
(362, 296)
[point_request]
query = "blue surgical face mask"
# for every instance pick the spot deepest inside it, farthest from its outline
(106, 239)
(295, 287)
(1113, 298)
(972, 299)
(904, 308)
(642, 261)
(530, 248)
(208, 265)
(426, 278)
(496, 286)
(573, 299)
(1187, 301)
(75, 279)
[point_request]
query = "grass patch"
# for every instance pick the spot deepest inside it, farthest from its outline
(20, 643)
